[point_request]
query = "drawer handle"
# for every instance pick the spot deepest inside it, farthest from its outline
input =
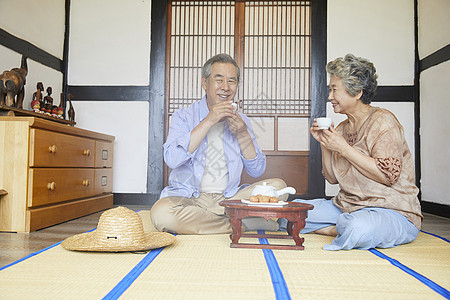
(85, 182)
(52, 149)
(51, 186)
(87, 152)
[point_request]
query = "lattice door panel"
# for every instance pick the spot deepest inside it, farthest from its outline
(277, 58)
(199, 30)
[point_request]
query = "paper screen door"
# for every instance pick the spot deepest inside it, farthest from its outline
(271, 42)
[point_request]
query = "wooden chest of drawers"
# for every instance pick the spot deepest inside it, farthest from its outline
(52, 173)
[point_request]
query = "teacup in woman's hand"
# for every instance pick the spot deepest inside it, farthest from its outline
(324, 123)
(235, 106)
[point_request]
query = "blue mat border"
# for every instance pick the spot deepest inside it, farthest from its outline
(428, 282)
(435, 235)
(128, 280)
(34, 254)
(279, 283)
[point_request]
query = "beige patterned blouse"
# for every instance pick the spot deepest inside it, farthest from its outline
(381, 137)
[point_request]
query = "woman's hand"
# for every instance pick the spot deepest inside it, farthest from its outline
(333, 140)
(316, 131)
(328, 138)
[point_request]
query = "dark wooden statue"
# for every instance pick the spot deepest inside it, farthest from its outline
(37, 101)
(71, 111)
(12, 85)
(48, 99)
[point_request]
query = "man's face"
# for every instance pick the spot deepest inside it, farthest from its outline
(221, 84)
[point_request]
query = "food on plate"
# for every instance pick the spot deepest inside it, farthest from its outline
(273, 200)
(254, 199)
(263, 199)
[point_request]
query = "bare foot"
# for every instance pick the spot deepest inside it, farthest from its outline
(330, 230)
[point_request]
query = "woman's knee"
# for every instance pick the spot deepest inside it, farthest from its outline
(355, 223)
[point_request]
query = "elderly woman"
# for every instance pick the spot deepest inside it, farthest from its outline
(367, 155)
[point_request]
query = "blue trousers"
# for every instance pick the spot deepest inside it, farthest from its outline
(363, 229)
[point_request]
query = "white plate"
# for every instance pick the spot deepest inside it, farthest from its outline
(280, 203)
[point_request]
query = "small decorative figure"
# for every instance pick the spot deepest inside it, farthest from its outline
(71, 111)
(48, 99)
(35, 105)
(38, 94)
(12, 85)
(60, 112)
(55, 111)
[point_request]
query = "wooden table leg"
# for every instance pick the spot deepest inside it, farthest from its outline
(297, 226)
(236, 225)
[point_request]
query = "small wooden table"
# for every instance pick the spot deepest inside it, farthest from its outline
(294, 212)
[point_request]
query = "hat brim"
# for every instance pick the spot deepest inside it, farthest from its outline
(89, 242)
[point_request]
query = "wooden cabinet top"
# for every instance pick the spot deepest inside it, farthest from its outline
(57, 127)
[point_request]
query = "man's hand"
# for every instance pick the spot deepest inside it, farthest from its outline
(237, 125)
(219, 111)
(239, 129)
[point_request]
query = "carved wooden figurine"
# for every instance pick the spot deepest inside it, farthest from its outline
(71, 111)
(12, 85)
(37, 102)
(48, 99)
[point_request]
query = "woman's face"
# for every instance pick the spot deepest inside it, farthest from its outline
(341, 100)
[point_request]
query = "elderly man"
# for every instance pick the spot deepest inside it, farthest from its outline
(208, 145)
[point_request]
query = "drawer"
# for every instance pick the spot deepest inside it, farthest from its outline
(51, 149)
(41, 217)
(104, 154)
(103, 181)
(48, 186)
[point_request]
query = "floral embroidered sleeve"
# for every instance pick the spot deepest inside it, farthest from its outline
(391, 168)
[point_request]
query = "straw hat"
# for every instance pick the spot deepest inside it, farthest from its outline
(119, 229)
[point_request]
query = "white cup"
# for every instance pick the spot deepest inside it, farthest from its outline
(324, 123)
(235, 106)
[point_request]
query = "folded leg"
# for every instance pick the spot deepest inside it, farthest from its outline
(370, 228)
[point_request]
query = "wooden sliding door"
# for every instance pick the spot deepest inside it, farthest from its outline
(271, 41)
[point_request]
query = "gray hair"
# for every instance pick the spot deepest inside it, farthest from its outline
(219, 58)
(357, 74)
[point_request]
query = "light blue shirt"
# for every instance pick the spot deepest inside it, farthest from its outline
(187, 168)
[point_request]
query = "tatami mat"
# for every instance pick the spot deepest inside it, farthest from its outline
(427, 255)
(205, 267)
(355, 274)
(62, 274)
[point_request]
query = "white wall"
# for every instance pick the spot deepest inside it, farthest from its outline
(130, 127)
(41, 24)
(434, 102)
(110, 45)
(434, 24)
(383, 32)
(109, 42)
